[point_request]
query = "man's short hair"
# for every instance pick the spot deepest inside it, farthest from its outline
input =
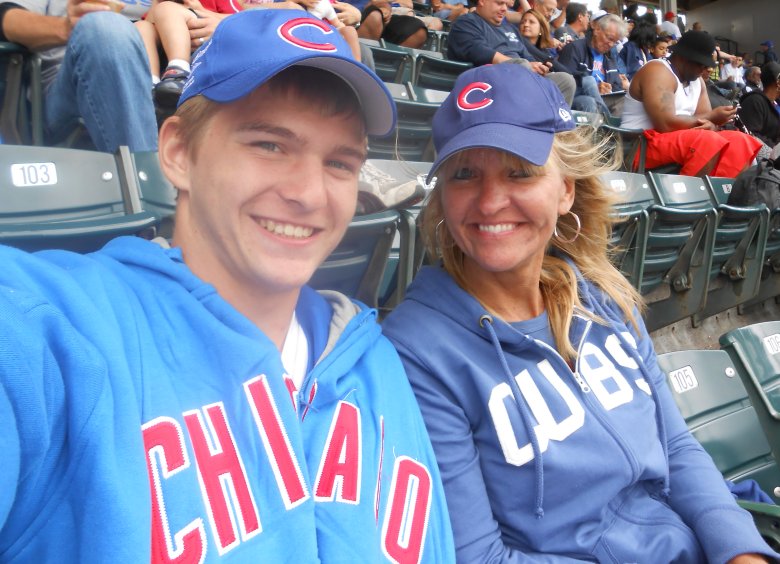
(574, 10)
(604, 22)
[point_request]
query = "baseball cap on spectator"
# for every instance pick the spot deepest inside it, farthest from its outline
(668, 16)
(485, 109)
(696, 46)
(768, 43)
(249, 48)
(598, 14)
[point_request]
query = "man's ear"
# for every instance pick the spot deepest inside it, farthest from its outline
(174, 153)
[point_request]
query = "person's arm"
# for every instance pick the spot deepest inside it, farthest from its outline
(37, 31)
(654, 86)
(347, 13)
(203, 26)
(717, 116)
(570, 58)
(466, 42)
(698, 492)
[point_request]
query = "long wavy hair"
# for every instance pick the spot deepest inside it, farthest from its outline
(582, 161)
(544, 41)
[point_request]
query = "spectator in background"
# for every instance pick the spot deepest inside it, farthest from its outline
(669, 27)
(768, 49)
(636, 51)
(759, 110)
(379, 22)
(590, 61)
(668, 100)
(484, 37)
(536, 31)
(753, 79)
(610, 7)
(94, 68)
(697, 26)
(577, 23)
(732, 75)
(660, 48)
(449, 10)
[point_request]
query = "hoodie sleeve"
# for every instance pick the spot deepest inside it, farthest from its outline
(698, 492)
(467, 42)
(477, 534)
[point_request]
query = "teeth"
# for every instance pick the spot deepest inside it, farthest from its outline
(286, 229)
(500, 228)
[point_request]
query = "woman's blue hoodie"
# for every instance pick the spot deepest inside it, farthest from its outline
(610, 472)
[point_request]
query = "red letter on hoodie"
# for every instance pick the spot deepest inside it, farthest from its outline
(166, 456)
(218, 462)
(406, 515)
(339, 473)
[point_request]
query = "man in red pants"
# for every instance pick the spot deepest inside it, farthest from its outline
(669, 101)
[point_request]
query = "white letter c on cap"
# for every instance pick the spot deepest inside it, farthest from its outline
(467, 106)
(285, 31)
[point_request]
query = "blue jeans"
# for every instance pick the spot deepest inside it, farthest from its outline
(104, 79)
(588, 99)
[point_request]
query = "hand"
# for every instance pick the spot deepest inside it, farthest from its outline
(202, 27)
(557, 44)
(347, 13)
(540, 68)
(722, 114)
(748, 559)
(457, 10)
(702, 123)
(624, 82)
(605, 87)
(76, 9)
(308, 4)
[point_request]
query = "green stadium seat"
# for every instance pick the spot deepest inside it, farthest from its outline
(66, 199)
(356, 267)
(769, 287)
(715, 405)
(157, 195)
(21, 114)
(680, 240)
(755, 351)
(412, 139)
(433, 72)
(586, 118)
(391, 64)
(629, 232)
(631, 144)
(738, 253)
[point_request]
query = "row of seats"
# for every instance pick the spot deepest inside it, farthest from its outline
(730, 399)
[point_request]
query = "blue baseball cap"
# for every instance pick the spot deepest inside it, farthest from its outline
(250, 47)
(504, 107)
(768, 43)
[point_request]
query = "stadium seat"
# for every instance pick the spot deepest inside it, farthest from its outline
(755, 351)
(719, 414)
(156, 193)
(586, 118)
(21, 115)
(738, 253)
(436, 73)
(356, 267)
(66, 199)
(390, 64)
(412, 138)
(770, 277)
(629, 233)
(631, 144)
(429, 95)
(678, 259)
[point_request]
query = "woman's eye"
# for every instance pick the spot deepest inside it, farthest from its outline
(519, 173)
(463, 173)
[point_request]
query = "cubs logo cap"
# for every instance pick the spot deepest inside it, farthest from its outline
(505, 107)
(250, 47)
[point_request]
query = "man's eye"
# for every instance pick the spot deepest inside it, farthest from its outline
(269, 146)
(342, 165)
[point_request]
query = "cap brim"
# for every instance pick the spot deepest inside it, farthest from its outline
(697, 58)
(529, 144)
(374, 97)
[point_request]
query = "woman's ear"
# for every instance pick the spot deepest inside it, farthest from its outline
(567, 196)
(174, 153)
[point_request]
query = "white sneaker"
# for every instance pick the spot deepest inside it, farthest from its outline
(389, 190)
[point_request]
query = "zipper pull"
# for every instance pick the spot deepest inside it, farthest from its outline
(581, 383)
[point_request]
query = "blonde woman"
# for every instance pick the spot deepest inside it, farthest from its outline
(554, 431)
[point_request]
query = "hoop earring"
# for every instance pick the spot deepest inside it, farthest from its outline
(436, 234)
(576, 232)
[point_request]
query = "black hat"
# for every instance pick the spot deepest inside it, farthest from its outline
(770, 73)
(697, 47)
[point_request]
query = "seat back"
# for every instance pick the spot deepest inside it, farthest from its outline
(630, 143)
(738, 252)
(356, 267)
(21, 112)
(680, 239)
(755, 351)
(715, 405)
(157, 194)
(390, 64)
(629, 232)
(412, 138)
(436, 73)
(66, 198)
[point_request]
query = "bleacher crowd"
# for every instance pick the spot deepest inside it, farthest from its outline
(191, 362)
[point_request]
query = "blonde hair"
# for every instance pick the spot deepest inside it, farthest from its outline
(582, 161)
(544, 41)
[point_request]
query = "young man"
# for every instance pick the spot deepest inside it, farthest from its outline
(200, 403)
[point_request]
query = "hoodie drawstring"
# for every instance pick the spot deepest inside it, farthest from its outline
(486, 322)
